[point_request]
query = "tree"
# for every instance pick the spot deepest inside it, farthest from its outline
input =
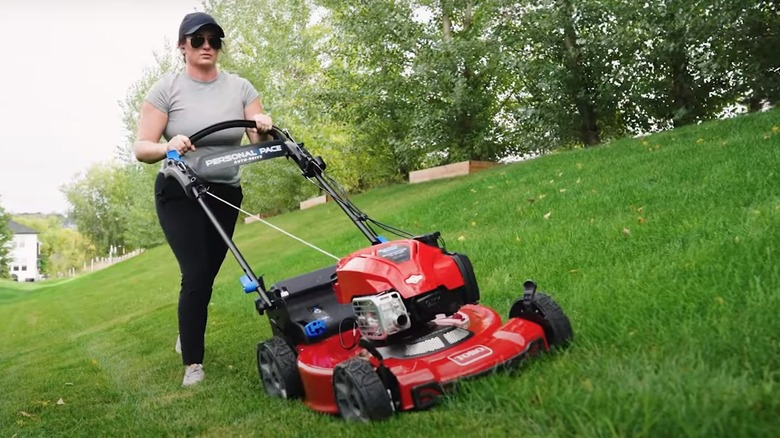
(98, 199)
(5, 238)
(567, 62)
(751, 28)
(420, 81)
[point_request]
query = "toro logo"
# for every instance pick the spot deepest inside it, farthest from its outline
(471, 356)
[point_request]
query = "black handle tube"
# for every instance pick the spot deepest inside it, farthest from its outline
(232, 246)
(194, 138)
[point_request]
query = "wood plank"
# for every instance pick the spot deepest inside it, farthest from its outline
(315, 201)
(449, 171)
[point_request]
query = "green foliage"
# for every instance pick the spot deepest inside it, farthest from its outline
(677, 47)
(662, 250)
(98, 199)
(142, 229)
(5, 238)
(420, 81)
(752, 30)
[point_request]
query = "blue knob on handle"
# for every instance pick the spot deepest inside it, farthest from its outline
(173, 155)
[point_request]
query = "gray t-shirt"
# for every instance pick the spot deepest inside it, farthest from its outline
(193, 105)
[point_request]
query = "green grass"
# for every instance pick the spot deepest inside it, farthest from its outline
(664, 252)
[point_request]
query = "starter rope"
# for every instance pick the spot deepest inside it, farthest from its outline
(273, 226)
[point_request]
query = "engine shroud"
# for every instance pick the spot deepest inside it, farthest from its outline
(429, 280)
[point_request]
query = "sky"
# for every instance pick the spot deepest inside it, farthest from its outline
(67, 65)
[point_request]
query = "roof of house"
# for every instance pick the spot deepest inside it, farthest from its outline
(17, 228)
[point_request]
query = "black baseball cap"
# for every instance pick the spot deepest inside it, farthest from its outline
(194, 21)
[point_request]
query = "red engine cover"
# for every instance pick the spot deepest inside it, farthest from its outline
(407, 266)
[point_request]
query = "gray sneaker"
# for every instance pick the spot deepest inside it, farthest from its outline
(193, 374)
(177, 347)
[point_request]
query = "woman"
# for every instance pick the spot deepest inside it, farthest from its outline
(179, 104)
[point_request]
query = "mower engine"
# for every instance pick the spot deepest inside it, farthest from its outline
(379, 316)
(398, 285)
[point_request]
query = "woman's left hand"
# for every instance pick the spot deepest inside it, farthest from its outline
(263, 122)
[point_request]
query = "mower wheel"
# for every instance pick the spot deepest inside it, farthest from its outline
(277, 365)
(543, 310)
(360, 393)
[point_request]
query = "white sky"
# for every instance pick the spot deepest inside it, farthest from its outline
(65, 66)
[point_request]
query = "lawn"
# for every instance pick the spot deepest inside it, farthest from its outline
(664, 251)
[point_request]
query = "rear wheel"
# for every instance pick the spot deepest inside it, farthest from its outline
(277, 366)
(360, 393)
(543, 310)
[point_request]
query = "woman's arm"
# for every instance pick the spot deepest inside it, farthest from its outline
(254, 111)
(151, 125)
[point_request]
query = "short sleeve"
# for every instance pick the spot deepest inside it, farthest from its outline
(160, 95)
(248, 92)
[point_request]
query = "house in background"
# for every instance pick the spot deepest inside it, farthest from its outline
(24, 253)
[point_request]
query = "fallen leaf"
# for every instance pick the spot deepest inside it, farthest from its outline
(542, 196)
(579, 180)
(574, 271)
(473, 224)
(473, 191)
(641, 220)
(700, 141)
(775, 129)
(626, 231)
(60, 402)
(25, 414)
(68, 383)
(587, 385)
(562, 191)
(640, 210)
(547, 216)
(461, 238)
(720, 300)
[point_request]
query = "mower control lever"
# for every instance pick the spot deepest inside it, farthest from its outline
(529, 291)
(176, 168)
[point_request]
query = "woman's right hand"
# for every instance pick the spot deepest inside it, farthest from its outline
(180, 144)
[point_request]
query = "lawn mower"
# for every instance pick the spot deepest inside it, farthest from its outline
(391, 327)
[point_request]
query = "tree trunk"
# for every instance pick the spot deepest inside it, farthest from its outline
(589, 130)
(446, 23)
(683, 99)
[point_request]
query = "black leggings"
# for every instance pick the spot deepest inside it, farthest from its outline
(200, 251)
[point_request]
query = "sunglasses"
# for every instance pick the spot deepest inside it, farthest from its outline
(196, 41)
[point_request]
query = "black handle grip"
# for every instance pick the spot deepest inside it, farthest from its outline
(275, 132)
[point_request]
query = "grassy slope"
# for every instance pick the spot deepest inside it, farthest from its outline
(663, 251)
